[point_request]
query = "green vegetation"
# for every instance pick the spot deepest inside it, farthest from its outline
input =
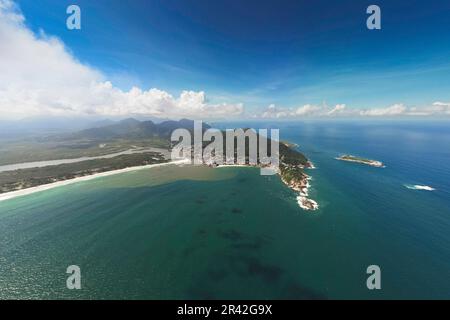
(291, 157)
(349, 157)
(292, 165)
(30, 151)
(99, 141)
(291, 174)
(26, 178)
(122, 136)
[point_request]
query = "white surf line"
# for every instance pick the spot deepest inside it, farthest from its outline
(27, 191)
(419, 187)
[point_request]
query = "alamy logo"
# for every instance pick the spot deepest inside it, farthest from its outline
(242, 147)
(374, 20)
(73, 22)
(374, 280)
(74, 280)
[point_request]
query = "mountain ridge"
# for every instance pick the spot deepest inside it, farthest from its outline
(131, 128)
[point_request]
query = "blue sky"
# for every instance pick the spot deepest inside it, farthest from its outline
(285, 53)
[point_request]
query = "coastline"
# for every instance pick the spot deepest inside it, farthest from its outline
(27, 191)
(303, 199)
(302, 188)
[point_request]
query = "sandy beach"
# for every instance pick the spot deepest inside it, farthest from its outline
(24, 192)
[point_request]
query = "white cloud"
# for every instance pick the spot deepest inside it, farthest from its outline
(272, 111)
(442, 107)
(307, 109)
(339, 108)
(394, 110)
(39, 76)
(436, 109)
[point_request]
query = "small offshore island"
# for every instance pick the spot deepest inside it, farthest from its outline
(369, 162)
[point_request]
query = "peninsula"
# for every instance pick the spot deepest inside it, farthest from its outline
(292, 173)
(291, 169)
(142, 137)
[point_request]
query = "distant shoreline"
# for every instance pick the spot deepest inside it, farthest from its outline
(27, 191)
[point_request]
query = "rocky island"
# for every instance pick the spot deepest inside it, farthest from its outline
(369, 162)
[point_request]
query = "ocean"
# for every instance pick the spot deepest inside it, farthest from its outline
(202, 233)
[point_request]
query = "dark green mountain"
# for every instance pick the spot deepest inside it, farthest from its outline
(134, 129)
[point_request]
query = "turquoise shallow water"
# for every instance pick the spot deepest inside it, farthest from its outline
(231, 233)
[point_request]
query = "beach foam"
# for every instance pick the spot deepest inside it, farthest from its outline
(307, 204)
